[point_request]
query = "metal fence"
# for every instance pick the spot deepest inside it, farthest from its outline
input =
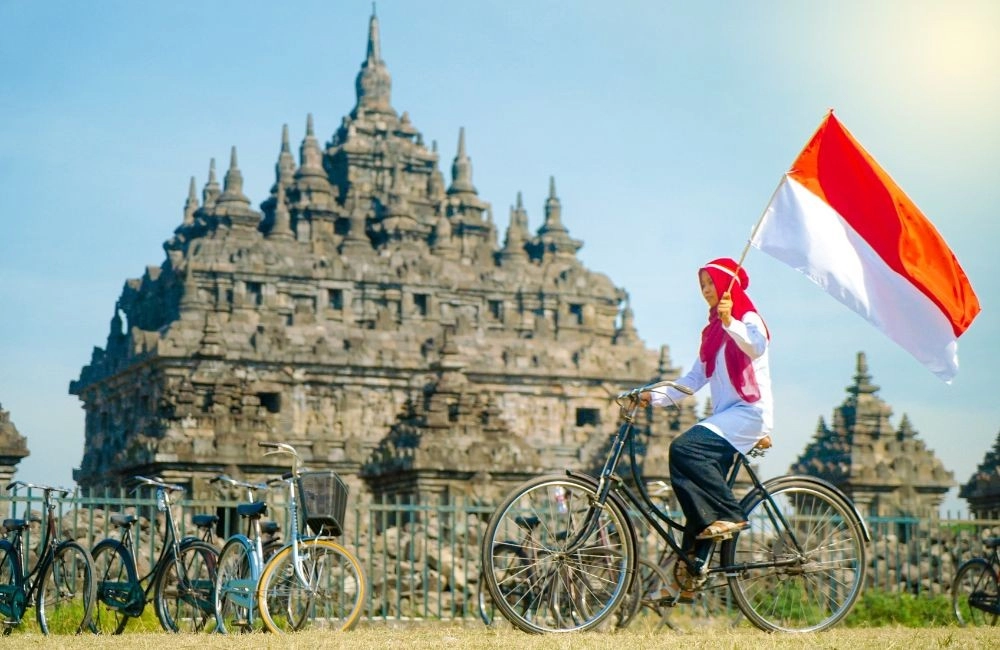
(422, 561)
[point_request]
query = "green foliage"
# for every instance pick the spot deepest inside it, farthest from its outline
(880, 608)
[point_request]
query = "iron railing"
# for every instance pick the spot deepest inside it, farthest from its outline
(423, 560)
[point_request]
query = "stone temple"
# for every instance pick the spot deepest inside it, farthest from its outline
(983, 489)
(368, 314)
(887, 471)
(13, 448)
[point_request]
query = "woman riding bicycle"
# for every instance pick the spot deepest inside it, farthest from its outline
(733, 361)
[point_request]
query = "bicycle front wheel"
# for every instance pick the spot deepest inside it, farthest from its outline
(330, 597)
(119, 594)
(974, 594)
(800, 566)
(13, 601)
(575, 562)
(183, 594)
(65, 600)
(235, 588)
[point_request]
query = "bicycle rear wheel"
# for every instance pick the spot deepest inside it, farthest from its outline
(574, 564)
(183, 594)
(974, 593)
(119, 594)
(803, 577)
(331, 599)
(65, 600)
(235, 588)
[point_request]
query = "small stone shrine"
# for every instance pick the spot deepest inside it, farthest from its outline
(983, 489)
(367, 315)
(886, 471)
(13, 448)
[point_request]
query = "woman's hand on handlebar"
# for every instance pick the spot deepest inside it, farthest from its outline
(644, 398)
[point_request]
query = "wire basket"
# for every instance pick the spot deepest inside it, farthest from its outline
(323, 501)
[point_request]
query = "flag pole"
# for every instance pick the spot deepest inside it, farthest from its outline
(753, 233)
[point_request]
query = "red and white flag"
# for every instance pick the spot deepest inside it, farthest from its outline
(838, 218)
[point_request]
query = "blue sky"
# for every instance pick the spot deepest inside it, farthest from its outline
(667, 125)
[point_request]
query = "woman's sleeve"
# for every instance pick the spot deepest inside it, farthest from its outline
(750, 334)
(694, 379)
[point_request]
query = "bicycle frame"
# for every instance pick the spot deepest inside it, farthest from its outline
(609, 482)
(296, 537)
(252, 539)
(171, 543)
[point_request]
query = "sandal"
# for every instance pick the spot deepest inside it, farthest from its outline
(722, 529)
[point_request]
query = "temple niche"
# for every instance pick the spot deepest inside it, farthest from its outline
(13, 448)
(368, 313)
(886, 471)
(982, 492)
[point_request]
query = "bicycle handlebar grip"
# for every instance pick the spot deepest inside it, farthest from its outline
(270, 445)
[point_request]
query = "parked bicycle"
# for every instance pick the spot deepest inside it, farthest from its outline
(180, 583)
(312, 582)
(241, 562)
(61, 582)
(975, 593)
(798, 567)
(518, 556)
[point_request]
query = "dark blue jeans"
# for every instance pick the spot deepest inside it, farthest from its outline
(700, 461)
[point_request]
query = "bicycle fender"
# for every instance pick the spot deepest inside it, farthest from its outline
(613, 496)
(778, 481)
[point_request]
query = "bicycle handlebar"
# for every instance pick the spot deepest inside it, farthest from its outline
(278, 448)
(666, 383)
(155, 482)
(222, 478)
(36, 486)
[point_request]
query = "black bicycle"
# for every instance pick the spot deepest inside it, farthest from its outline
(798, 567)
(61, 582)
(180, 583)
(975, 593)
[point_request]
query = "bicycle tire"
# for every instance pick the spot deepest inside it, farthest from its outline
(819, 586)
(565, 591)
(332, 601)
(236, 588)
(183, 592)
(975, 580)
(633, 601)
(484, 602)
(119, 594)
(487, 607)
(13, 600)
(67, 592)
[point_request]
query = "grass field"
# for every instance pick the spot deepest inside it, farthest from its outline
(445, 637)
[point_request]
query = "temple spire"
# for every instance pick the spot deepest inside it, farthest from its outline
(553, 235)
(461, 169)
(191, 204)
(373, 85)
(862, 379)
(553, 210)
(282, 218)
(374, 45)
(232, 190)
(517, 233)
(284, 169)
(212, 190)
(314, 190)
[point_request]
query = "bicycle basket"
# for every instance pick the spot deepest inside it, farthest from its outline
(323, 501)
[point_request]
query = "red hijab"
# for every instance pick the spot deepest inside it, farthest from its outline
(738, 363)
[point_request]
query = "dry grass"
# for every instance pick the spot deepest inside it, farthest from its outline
(448, 637)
